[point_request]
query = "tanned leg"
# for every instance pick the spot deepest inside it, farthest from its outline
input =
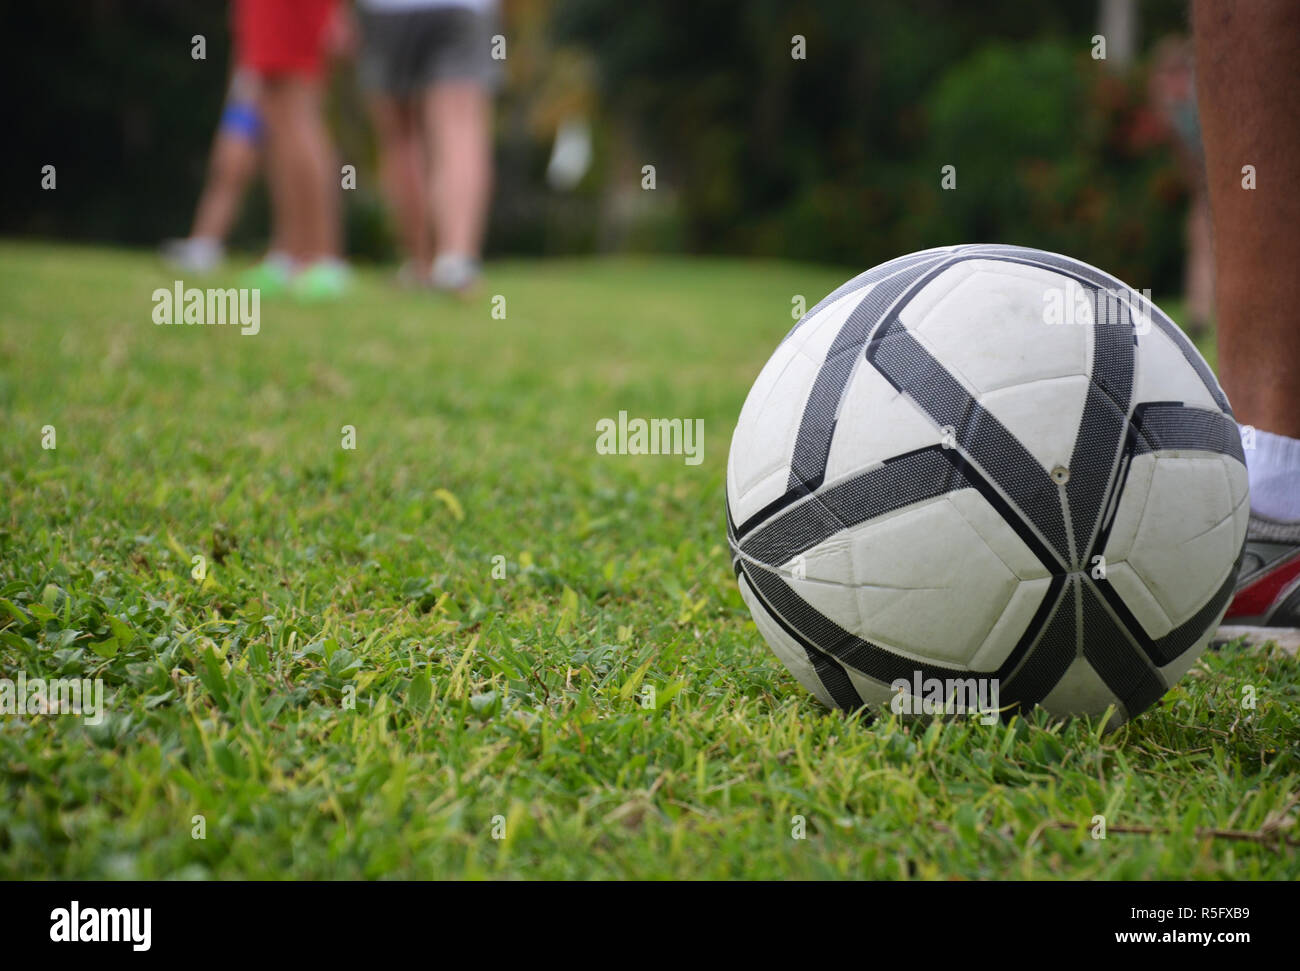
(300, 155)
(232, 166)
(459, 126)
(401, 160)
(1248, 79)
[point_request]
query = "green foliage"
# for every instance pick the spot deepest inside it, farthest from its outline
(833, 158)
(993, 117)
(368, 575)
(1043, 146)
(837, 157)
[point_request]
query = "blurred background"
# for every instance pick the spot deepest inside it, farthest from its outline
(833, 158)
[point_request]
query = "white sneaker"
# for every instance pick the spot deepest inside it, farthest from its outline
(195, 254)
(455, 273)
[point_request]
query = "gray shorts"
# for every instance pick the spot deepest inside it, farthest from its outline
(404, 52)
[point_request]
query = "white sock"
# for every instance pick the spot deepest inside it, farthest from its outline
(1273, 467)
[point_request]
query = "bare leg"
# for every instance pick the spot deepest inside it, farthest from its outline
(401, 161)
(1200, 262)
(231, 168)
(304, 193)
(1248, 72)
(459, 117)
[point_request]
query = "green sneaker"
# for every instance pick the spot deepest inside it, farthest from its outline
(323, 280)
(271, 276)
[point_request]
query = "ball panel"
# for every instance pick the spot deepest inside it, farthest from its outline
(1013, 622)
(829, 562)
(762, 444)
(1186, 543)
(907, 364)
(791, 652)
(875, 694)
(1081, 691)
(1180, 665)
(1163, 374)
(1055, 647)
(1143, 307)
(1139, 600)
(835, 598)
(1109, 643)
(882, 489)
(905, 570)
(928, 257)
(1239, 491)
(876, 422)
(1044, 414)
(984, 320)
(818, 423)
(1128, 513)
(998, 535)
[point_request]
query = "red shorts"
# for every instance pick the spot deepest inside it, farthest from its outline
(274, 37)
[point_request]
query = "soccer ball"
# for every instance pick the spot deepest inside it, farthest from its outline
(986, 473)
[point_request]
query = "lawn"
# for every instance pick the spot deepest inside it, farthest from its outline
(429, 655)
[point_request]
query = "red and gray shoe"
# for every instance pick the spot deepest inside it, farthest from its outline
(1267, 603)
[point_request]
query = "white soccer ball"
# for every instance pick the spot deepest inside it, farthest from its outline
(986, 477)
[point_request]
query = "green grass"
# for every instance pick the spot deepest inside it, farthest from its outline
(335, 574)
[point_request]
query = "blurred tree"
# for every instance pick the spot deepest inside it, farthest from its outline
(831, 157)
(836, 156)
(108, 92)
